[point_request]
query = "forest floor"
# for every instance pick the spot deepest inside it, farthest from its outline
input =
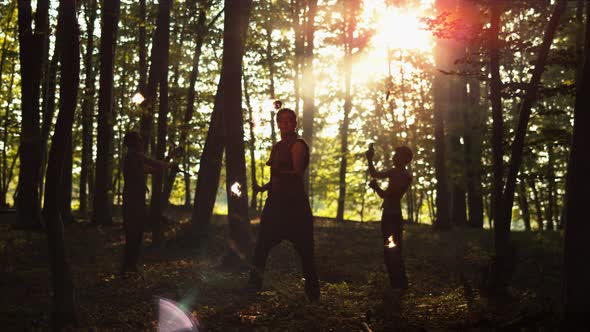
(445, 271)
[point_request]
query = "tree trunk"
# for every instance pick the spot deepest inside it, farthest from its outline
(309, 85)
(550, 211)
(142, 46)
(348, 36)
(268, 28)
(103, 195)
(65, 196)
(64, 308)
(474, 122)
(31, 46)
(524, 205)
(158, 66)
(234, 39)
(87, 110)
(576, 289)
(537, 202)
(504, 260)
(6, 172)
(498, 122)
(440, 92)
(251, 142)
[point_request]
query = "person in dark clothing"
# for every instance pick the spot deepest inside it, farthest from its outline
(287, 214)
(135, 165)
(391, 218)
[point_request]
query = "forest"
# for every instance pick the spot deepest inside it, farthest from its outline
(491, 96)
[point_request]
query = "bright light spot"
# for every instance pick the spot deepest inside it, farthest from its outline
(236, 189)
(390, 243)
(138, 98)
(398, 31)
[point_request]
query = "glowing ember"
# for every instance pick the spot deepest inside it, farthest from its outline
(138, 98)
(390, 244)
(236, 189)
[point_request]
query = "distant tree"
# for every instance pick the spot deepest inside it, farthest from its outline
(103, 195)
(64, 309)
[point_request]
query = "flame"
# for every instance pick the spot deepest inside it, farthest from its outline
(138, 98)
(390, 244)
(236, 189)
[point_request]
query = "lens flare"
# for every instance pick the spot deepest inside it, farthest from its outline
(171, 317)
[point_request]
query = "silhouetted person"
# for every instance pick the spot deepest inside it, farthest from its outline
(391, 219)
(287, 214)
(135, 165)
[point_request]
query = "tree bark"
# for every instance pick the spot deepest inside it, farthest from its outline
(576, 289)
(31, 46)
(64, 308)
(103, 195)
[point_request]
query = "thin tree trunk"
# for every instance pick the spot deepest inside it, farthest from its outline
(103, 195)
(537, 202)
(550, 189)
(309, 86)
(64, 308)
(251, 142)
(268, 29)
(87, 108)
(6, 176)
(202, 31)
(525, 113)
(473, 147)
(524, 205)
(498, 122)
(345, 121)
(158, 66)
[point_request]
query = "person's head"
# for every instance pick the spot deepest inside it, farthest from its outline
(402, 156)
(133, 141)
(286, 121)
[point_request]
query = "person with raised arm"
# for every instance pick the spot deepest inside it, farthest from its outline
(391, 218)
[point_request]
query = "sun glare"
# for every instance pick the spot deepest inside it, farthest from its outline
(398, 31)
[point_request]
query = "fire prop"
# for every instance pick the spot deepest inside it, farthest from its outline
(390, 243)
(138, 98)
(236, 189)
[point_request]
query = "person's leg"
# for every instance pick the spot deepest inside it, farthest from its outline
(392, 231)
(304, 244)
(266, 241)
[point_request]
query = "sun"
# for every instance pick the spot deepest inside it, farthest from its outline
(397, 31)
